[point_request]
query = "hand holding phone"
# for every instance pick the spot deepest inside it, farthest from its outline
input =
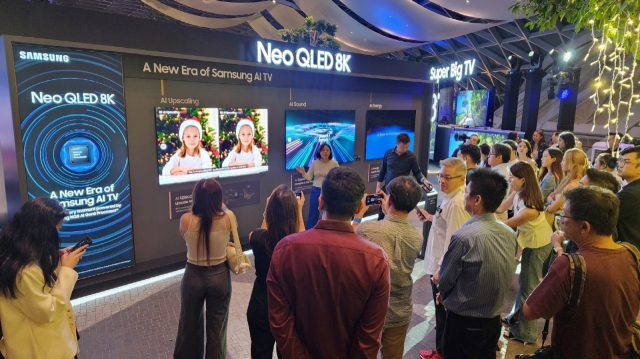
(372, 199)
(84, 241)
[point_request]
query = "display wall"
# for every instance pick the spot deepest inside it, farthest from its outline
(182, 95)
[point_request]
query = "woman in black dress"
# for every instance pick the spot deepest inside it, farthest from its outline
(283, 216)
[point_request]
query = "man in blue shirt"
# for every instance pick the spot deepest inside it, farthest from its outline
(476, 271)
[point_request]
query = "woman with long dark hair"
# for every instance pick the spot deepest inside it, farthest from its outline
(566, 141)
(36, 281)
(206, 279)
(538, 145)
(283, 216)
(533, 236)
(317, 171)
(551, 172)
(524, 152)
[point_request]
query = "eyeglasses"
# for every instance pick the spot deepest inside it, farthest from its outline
(447, 178)
(438, 212)
(623, 162)
(492, 154)
(563, 216)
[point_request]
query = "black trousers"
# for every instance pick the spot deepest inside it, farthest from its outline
(441, 318)
(469, 337)
(262, 341)
(210, 286)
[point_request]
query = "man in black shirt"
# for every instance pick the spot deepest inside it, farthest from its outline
(629, 196)
(399, 161)
(471, 155)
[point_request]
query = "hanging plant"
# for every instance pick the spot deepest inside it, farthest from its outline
(615, 27)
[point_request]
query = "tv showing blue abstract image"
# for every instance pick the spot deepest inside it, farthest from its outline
(306, 130)
(384, 126)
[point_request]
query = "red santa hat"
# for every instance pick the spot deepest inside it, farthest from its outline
(190, 122)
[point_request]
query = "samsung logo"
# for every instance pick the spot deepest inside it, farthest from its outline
(43, 56)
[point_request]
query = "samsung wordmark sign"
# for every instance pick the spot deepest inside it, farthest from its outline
(309, 59)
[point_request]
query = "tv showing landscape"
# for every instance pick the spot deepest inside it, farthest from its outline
(306, 130)
(383, 127)
(472, 108)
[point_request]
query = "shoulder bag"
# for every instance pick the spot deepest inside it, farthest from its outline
(236, 259)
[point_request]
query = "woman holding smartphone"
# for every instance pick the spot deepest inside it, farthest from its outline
(36, 281)
(317, 171)
(283, 216)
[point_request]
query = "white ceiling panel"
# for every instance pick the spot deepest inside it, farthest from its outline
(351, 32)
(408, 20)
(483, 9)
(227, 8)
(211, 23)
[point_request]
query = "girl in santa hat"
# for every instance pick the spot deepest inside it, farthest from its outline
(245, 152)
(191, 155)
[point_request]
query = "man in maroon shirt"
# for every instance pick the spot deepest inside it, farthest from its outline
(600, 326)
(328, 288)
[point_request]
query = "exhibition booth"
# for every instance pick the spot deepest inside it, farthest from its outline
(97, 108)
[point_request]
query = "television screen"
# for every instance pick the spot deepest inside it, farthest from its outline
(383, 127)
(307, 129)
(195, 143)
(471, 107)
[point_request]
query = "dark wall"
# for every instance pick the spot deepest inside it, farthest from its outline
(155, 235)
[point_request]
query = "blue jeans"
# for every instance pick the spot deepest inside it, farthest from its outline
(530, 272)
(314, 213)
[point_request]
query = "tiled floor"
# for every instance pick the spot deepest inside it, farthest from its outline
(142, 322)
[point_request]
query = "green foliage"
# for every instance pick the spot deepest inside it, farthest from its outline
(616, 19)
(313, 33)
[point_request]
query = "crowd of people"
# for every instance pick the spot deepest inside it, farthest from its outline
(342, 288)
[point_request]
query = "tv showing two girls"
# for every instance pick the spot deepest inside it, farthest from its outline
(197, 142)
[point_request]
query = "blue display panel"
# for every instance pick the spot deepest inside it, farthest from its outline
(74, 134)
(383, 128)
(306, 130)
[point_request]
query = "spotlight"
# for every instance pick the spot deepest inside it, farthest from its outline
(535, 60)
(514, 64)
(564, 94)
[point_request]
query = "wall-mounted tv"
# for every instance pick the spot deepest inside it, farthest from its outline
(194, 143)
(306, 130)
(472, 108)
(383, 126)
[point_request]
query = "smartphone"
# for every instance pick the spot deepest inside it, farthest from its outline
(298, 194)
(83, 241)
(557, 223)
(420, 213)
(373, 199)
(427, 188)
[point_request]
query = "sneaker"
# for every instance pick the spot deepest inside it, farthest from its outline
(510, 336)
(509, 322)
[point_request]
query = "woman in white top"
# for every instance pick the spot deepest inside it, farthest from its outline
(206, 279)
(191, 155)
(534, 234)
(317, 171)
(524, 154)
(245, 153)
(36, 284)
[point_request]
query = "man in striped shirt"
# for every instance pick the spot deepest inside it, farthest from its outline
(401, 242)
(476, 271)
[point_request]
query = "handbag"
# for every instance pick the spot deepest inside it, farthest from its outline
(236, 259)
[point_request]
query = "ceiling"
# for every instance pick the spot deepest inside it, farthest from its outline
(437, 32)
